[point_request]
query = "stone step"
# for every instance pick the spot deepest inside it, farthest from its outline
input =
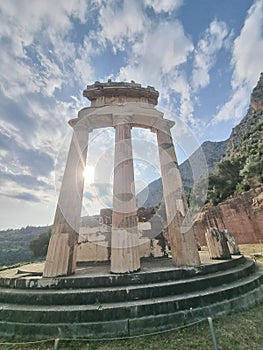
(124, 293)
(164, 272)
(133, 326)
(107, 312)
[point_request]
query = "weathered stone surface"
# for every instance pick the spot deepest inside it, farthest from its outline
(217, 244)
(156, 249)
(144, 247)
(155, 299)
(91, 251)
(241, 215)
(182, 241)
(231, 242)
(61, 255)
(122, 106)
(124, 240)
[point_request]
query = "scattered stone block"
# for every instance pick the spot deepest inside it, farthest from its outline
(232, 243)
(156, 248)
(144, 247)
(217, 244)
(93, 251)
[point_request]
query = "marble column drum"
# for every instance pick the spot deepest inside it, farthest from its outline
(124, 241)
(61, 255)
(181, 237)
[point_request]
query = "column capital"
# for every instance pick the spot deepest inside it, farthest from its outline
(81, 124)
(121, 119)
(163, 125)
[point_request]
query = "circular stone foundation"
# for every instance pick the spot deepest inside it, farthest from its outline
(96, 304)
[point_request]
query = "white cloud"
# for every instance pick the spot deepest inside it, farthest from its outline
(164, 5)
(248, 48)
(180, 85)
(82, 67)
(205, 53)
(158, 55)
(247, 64)
(120, 23)
(234, 108)
(37, 52)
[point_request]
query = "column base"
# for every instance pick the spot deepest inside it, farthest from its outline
(61, 257)
(183, 244)
(124, 251)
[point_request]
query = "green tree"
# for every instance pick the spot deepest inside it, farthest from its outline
(39, 245)
(223, 181)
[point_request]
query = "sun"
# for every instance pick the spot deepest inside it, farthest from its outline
(88, 174)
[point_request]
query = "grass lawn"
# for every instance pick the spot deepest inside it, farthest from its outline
(254, 251)
(239, 331)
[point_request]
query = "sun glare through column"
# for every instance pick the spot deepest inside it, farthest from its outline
(89, 174)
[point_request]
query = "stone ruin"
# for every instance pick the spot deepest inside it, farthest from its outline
(221, 244)
(121, 106)
(95, 237)
(165, 293)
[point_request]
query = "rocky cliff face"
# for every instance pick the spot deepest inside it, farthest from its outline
(250, 128)
(213, 151)
(242, 215)
(256, 101)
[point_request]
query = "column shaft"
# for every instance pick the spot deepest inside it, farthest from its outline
(183, 245)
(61, 255)
(124, 242)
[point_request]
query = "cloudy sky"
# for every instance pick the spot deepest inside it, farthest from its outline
(203, 56)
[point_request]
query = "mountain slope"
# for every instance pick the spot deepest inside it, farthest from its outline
(241, 209)
(249, 130)
(242, 167)
(244, 147)
(190, 169)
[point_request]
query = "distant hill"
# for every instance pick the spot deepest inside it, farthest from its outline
(14, 244)
(213, 152)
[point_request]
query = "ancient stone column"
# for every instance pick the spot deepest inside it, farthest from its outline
(61, 255)
(124, 242)
(182, 241)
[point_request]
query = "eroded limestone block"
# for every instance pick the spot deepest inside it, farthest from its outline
(217, 244)
(156, 248)
(232, 243)
(91, 251)
(144, 247)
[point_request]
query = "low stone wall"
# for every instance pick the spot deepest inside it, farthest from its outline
(94, 243)
(242, 215)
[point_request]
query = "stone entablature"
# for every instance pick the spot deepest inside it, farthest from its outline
(139, 115)
(112, 93)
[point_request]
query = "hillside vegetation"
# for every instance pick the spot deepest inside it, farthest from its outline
(241, 169)
(14, 244)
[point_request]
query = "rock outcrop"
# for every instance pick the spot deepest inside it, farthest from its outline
(242, 215)
(250, 129)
